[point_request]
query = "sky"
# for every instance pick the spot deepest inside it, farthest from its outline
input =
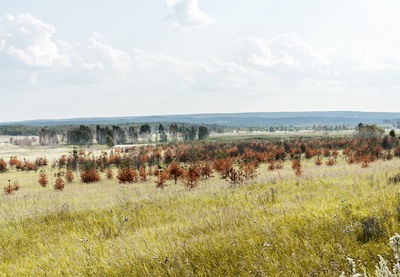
(94, 58)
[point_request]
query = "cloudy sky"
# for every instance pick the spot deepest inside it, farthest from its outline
(62, 59)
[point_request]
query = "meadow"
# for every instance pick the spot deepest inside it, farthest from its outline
(277, 223)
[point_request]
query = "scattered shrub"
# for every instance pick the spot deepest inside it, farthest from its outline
(162, 178)
(43, 181)
(205, 170)
(271, 166)
(175, 171)
(59, 185)
(330, 162)
(248, 170)
(296, 166)
(191, 176)
(90, 176)
(126, 175)
(3, 166)
(235, 176)
(142, 174)
(8, 189)
(89, 173)
(69, 176)
(109, 174)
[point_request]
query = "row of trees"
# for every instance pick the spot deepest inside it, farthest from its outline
(116, 135)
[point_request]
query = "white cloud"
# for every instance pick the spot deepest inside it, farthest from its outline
(283, 50)
(255, 66)
(29, 41)
(186, 13)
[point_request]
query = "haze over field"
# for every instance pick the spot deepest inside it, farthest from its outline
(135, 58)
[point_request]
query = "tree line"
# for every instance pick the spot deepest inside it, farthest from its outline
(116, 135)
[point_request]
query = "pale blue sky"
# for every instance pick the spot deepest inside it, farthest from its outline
(61, 59)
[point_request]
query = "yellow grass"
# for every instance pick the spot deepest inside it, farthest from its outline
(277, 225)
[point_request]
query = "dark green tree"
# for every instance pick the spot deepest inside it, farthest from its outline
(110, 141)
(80, 136)
(203, 133)
(145, 131)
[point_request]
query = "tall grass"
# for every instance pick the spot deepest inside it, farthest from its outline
(275, 225)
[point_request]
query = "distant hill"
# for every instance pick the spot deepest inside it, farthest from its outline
(263, 119)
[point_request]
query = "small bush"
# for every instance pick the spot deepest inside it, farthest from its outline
(126, 175)
(43, 181)
(109, 174)
(162, 178)
(8, 189)
(330, 162)
(69, 176)
(90, 176)
(205, 170)
(191, 176)
(235, 176)
(89, 172)
(142, 174)
(297, 168)
(59, 185)
(175, 171)
(3, 166)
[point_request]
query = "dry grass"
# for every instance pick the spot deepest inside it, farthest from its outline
(276, 225)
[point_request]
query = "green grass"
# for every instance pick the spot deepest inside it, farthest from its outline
(273, 226)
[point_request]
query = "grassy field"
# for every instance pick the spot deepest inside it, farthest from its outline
(277, 225)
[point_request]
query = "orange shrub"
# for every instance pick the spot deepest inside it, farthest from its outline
(109, 174)
(59, 185)
(30, 166)
(13, 161)
(3, 166)
(90, 176)
(175, 171)
(191, 176)
(8, 189)
(162, 177)
(271, 166)
(69, 176)
(235, 176)
(296, 166)
(205, 170)
(43, 181)
(223, 166)
(330, 162)
(248, 170)
(142, 174)
(126, 175)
